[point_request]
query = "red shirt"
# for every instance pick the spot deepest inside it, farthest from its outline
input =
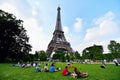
(65, 70)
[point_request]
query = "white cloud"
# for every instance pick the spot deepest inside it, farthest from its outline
(108, 16)
(9, 8)
(118, 40)
(65, 29)
(105, 26)
(32, 26)
(34, 12)
(36, 34)
(100, 34)
(78, 24)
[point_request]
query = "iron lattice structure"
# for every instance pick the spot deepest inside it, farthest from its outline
(58, 41)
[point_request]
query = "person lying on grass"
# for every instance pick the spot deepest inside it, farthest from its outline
(103, 66)
(79, 74)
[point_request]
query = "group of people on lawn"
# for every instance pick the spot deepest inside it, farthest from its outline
(46, 69)
(76, 73)
(65, 71)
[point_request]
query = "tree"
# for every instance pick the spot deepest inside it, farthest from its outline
(55, 56)
(114, 48)
(67, 56)
(42, 55)
(28, 57)
(13, 38)
(77, 55)
(60, 55)
(94, 52)
(36, 55)
(72, 57)
(108, 56)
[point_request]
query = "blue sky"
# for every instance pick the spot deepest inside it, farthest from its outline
(85, 22)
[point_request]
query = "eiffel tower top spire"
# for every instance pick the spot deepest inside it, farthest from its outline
(58, 26)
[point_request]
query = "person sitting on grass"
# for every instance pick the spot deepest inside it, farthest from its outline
(28, 65)
(79, 74)
(65, 71)
(37, 68)
(72, 65)
(23, 65)
(46, 68)
(52, 69)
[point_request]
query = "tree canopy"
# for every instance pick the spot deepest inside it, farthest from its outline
(42, 55)
(13, 38)
(114, 49)
(65, 56)
(93, 52)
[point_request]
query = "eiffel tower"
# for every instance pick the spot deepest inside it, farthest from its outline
(58, 41)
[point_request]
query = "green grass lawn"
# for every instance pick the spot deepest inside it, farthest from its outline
(8, 72)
